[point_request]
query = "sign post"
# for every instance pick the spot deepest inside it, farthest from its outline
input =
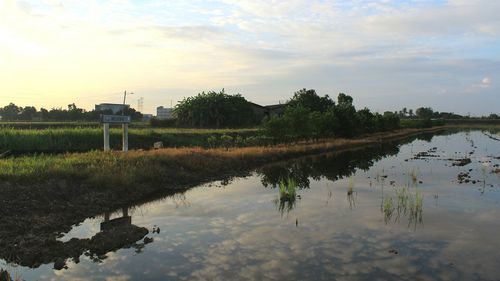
(106, 120)
(125, 137)
(106, 137)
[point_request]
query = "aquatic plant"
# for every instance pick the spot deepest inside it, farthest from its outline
(414, 176)
(415, 209)
(288, 195)
(388, 209)
(406, 203)
(288, 190)
(402, 198)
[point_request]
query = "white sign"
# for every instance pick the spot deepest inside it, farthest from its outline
(117, 119)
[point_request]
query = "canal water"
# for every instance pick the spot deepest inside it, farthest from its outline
(425, 209)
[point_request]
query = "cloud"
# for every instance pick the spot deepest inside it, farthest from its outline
(486, 82)
(251, 47)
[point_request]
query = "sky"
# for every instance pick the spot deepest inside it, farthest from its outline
(385, 54)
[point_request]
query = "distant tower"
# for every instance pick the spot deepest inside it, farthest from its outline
(140, 104)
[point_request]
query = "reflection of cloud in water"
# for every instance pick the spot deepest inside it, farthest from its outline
(260, 254)
(110, 269)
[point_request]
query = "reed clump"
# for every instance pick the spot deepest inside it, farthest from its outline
(288, 190)
(406, 203)
(287, 195)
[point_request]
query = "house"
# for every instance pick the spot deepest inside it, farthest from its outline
(114, 107)
(276, 109)
(164, 113)
(261, 111)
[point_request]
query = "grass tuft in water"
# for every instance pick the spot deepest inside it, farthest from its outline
(414, 176)
(288, 195)
(388, 209)
(288, 190)
(407, 204)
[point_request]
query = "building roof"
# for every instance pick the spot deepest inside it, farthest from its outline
(257, 105)
(275, 106)
(272, 106)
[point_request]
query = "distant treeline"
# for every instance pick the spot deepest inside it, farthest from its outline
(12, 112)
(221, 110)
(429, 113)
(309, 116)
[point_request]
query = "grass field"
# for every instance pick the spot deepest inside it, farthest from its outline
(86, 139)
(170, 166)
(23, 125)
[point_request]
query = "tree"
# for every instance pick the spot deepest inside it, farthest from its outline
(214, 109)
(311, 101)
(424, 112)
(344, 113)
(10, 112)
(27, 113)
(366, 121)
(134, 114)
(391, 121)
(44, 114)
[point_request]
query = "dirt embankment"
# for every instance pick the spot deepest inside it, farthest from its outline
(40, 203)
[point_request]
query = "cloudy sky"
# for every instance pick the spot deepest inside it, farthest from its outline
(386, 54)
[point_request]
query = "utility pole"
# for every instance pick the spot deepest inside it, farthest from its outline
(125, 125)
(124, 99)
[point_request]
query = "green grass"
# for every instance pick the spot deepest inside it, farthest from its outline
(420, 123)
(405, 203)
(288, 195)
(86, 139)
(288, 190)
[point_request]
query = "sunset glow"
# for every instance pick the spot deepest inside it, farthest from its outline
(443, 54)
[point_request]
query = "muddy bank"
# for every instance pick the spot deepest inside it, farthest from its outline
(36, 208)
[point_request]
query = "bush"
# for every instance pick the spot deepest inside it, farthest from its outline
(157, 123)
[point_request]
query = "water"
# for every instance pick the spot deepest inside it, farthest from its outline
(335, 229)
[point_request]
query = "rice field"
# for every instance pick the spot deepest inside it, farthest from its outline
(81, 139)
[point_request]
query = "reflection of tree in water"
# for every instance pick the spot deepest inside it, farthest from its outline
(426, 137)
(333, 166)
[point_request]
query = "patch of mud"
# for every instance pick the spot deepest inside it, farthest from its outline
(461, 162)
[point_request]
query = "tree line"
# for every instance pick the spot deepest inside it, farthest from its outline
(218, 109)
(429, 113)
(12, 112)
(309, 116)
